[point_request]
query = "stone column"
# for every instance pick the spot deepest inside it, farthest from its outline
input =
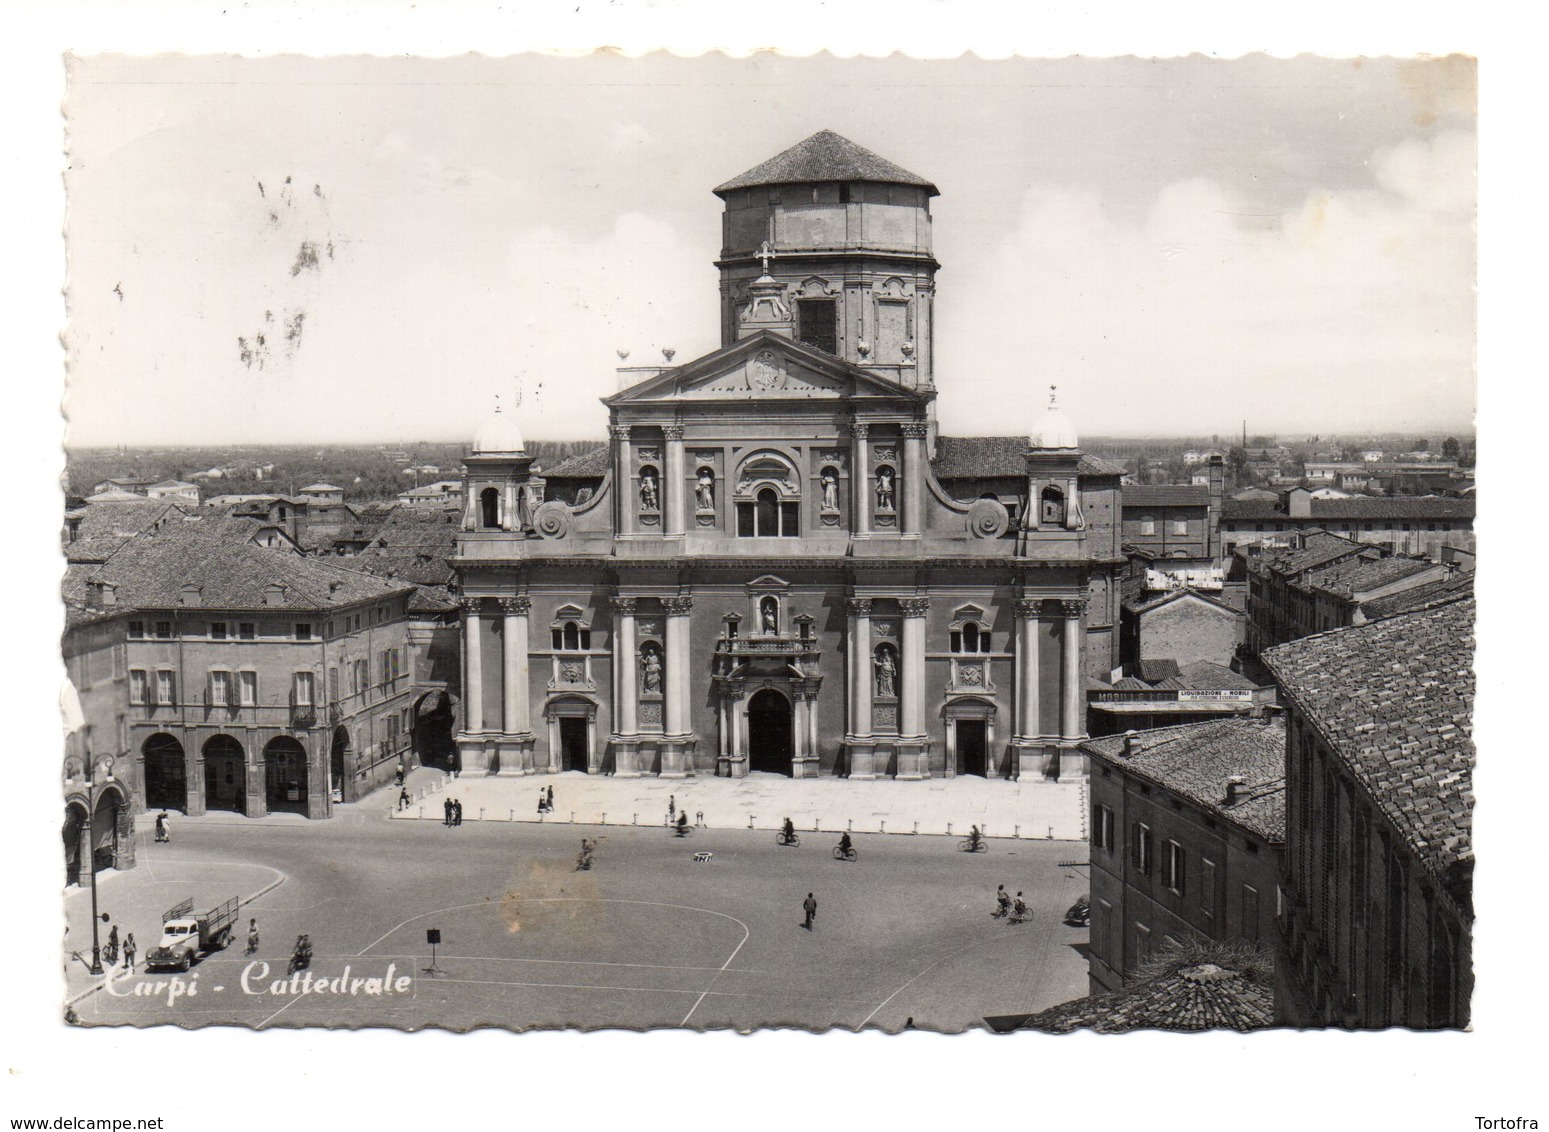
(860, 487)
(624, 665)
(673, 486)
(514, 681)
(914, 478)
(1026, 730)
(623, 478)
(860, 666)
(912, 714)
(739, 738)
(677, 682)
(799, 727)
(473, 668)
(1072, 716)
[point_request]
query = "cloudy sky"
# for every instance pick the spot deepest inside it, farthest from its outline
(296, 250)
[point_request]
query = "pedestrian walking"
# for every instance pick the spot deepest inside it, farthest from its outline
(112, 947)
(810, 907)
(252, 937)
(403, 799)
(457, 812)
(447, 806)
(672, 809)
(161, 827)
(400, 772)
(129, 950)
(551, 799)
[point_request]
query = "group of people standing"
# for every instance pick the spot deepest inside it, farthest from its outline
(111, 949)
(454, 811)
(546, 801)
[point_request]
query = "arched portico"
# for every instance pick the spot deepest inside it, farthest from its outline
(225, 774)
(164, 772)
(285, 775)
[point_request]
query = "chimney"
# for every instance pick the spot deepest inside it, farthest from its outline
(191, 594)
(1129, 743)
(1217, 465)
(1236, 788)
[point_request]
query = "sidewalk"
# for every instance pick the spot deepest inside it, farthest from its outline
(135, 899)
(1028, 810)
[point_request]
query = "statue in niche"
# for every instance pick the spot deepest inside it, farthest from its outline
(769, 615)
(649, 499)
(886, 671)
(650, 670)
(830, 490)
(884, 489)
(704, 493)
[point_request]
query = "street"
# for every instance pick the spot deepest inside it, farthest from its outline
(650, 937)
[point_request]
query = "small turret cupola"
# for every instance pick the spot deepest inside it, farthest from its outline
(1053, 429)
(500, 433)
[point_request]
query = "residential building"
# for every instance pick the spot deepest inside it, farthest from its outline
(253, 679)
(99, 765)
(1187, 834)
(770, 577)
(129, 485)
(178, 490)
(1379, 858)
(1417, 526)
(442, 493)
(1176, 521)
(1184, 625)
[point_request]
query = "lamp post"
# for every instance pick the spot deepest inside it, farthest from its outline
(91, 864)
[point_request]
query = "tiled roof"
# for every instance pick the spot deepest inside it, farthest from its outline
(1255, 493)
(1207, 676)
(1358, 575)
(412, 545)
(825, 156)
(1318, 549)
(999, 457)
(1395, 700)
(1152, 671)
(321, 487)
(1190, 997)
(1427, 596)
(1357, 508)
(1195, 760)
(1165, 495)
(150, 573)
(101, 529)
(593, 463)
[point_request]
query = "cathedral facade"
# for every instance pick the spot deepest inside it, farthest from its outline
(769, 576)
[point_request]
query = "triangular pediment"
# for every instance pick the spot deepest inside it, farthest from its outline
(765, 367)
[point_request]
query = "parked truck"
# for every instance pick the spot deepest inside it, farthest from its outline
(185, 936)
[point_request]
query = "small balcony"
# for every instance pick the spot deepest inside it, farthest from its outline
(767, 646)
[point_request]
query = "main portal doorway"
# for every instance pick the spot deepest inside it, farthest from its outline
(972, 747)
(573, 747)
(769, 732)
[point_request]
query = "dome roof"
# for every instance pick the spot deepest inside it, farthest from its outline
(499, 434)
(1054, 430)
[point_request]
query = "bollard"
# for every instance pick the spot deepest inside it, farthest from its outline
(422, 811)
(572, 817)
(634, 819)
(605, 817)
(1018, 832)
(1051, 833)
(882, 826)
(481, 813)
(814, 825)
(949, 829)
(849, 824)
(916, 827)
(750, 820)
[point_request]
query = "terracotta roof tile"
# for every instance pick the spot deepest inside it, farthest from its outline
(1165, 495)
(1190, 998)
(1427, 596)
(593, 463)
(999, 457)
(1395, 701)
(1195, 760)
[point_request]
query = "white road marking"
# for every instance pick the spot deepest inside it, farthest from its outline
(921, 974)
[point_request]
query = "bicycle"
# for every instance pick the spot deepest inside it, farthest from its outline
(969, 845)
(843, 854)
(783, 838)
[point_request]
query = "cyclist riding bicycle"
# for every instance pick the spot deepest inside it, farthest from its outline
(683, 823)
(974, 838)
(844, 842)
(789, 829)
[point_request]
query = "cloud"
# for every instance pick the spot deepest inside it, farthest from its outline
(1352, 310)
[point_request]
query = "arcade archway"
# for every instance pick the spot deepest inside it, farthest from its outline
(166, 787)
(225, 774)
(338, 759)
(435, 724)
(769, 733)
(285, 775)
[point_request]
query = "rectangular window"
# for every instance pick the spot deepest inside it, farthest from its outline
(136, 630)
(1102, 828)
(1250, 913)
(217, 630)
(164, 630)
(1140, 848)
(301, 693)
(1140, 948)
(333, 685)
(818, 323)
(220, 691)
(1180, 526)
(1148, 526)
(1172, 868)
(166, 688)
(137, 685)
(745, 527)
(303, 631)
(1207, 887)
(119, 660)
(397, 663)
(245, 630)
(247, 688)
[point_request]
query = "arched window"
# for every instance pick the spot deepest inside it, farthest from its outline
(572, 637)
(1053, 506)
(489, 508)
(970, 638)
(768, 516)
